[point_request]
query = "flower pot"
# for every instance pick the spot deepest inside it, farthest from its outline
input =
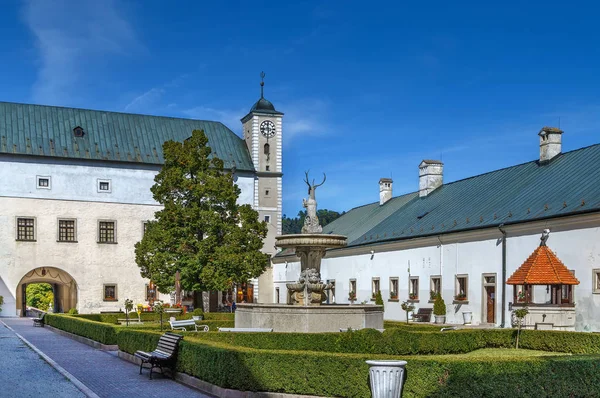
(467, 317)
(197, 317)
(440, 319)
(386, 378)
(172, 310)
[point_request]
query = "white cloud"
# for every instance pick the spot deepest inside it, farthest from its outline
(146, 99)
(70, 36)
(230, 118)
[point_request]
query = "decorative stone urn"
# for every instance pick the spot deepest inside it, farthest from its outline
(441, 319)
(467, 317)
(386, 378)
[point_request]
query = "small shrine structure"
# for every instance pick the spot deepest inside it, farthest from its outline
(545, 286)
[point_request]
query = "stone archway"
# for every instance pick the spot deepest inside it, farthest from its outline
(63, 284)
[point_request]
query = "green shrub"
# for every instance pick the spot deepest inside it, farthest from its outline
(73, 311)
(345, 375)
(198, 312)
(1, 302)
(439, 306)
(378, 298)
(219, 316)
(101, 332)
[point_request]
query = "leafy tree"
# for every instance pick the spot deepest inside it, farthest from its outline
(294, 225)
(520, 315)
(408, 307)
(39, 295)
(128, 308)
(202, 231)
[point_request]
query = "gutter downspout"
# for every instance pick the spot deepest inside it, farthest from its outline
(441, 262)
(503, 231)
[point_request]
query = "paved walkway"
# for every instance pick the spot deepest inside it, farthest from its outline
(102, 372)
(20, 365)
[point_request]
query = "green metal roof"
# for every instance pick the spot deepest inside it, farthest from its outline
(568, 184)
(122, 137)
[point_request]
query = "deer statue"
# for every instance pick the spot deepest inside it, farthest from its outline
(311, 222)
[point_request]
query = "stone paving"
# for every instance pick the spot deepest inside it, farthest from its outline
(102, 372)
(25, 374)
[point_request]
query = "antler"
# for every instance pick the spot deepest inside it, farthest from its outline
(306, 180)
(318, 185)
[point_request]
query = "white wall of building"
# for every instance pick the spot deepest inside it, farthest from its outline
(74, 181)
(576, 242)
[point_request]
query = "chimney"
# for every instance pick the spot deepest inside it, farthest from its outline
(431, 173)
(385, 190)
(550, 143)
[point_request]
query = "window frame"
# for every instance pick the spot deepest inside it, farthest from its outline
(457, 292)
(58, 235)
(34, 226)
(432, 287)
(352, 287)
(596, 281)
(116, 297)
(100, 181)
(267, 218)
(412, 295)
(39, 178)
(98, 234)
(375, 287)
(394, 289)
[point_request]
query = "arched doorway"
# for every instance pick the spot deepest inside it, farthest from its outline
(63, 285)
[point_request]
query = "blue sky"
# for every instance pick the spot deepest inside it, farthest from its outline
(368, 89)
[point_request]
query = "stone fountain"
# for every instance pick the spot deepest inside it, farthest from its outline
(307, 313)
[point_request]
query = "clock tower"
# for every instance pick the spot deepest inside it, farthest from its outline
(262, 129)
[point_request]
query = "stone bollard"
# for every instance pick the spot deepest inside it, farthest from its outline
(387, 378)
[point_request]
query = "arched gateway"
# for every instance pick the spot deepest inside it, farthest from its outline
(63, 285)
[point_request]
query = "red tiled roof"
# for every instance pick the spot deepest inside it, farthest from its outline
(542, 268)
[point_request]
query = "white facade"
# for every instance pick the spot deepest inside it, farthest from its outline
(474, 254)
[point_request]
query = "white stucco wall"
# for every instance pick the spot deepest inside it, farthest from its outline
(71, 180)
(578, 246)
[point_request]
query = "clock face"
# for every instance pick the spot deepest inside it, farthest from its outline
(267, 128)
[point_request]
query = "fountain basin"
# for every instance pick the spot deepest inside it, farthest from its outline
(324, 241)
(308, 319)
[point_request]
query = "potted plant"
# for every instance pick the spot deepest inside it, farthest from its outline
(413, 296)
(197, 314)
(378, 298)
(521, 296)
(393, 295)
(407, 306)
(439, 309)
(172, 309)
(460, 297)
(432, 295)
(352, 296)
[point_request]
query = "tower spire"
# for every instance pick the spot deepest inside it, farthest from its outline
(262, 84)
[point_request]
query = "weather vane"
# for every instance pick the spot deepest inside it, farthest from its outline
(262, 83)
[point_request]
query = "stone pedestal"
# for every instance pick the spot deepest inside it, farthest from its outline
(311, 319)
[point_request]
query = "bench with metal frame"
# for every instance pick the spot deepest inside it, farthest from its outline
(40, 320)
(423, 315)
(165, 354)
(182, 325)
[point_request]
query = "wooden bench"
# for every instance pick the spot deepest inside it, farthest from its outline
(165, 354)
(40, 320)
(246, 330)
(423, 315)
(182, 325)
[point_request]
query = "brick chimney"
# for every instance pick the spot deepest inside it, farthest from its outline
(385, 190)
(431, 176)
(550, 143)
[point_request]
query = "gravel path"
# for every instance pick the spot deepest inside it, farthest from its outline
(25, 374)
(101, 371)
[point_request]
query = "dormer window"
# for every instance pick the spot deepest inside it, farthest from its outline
(78, 131)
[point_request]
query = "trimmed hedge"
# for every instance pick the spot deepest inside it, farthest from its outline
(346, 375)
(101, 332)
(151, 316)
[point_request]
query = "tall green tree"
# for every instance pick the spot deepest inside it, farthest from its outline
(39, 295)
(294, 225)
(201, 231)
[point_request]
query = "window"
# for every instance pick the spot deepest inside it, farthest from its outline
(413, 288)
(44, 182)
(596, 280)
(107, 232)
(277, 295)
(268, 167)
(267, 192)
(267, 219)
(144, 227)
(245, 293)
(331, 292)
(66, 231)
(150, 292)
(461, 288)
(394, 288)
(104, 186)
(26, 229)
(374, 287)
(110, 292)
(436, 287)
(352, 290)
